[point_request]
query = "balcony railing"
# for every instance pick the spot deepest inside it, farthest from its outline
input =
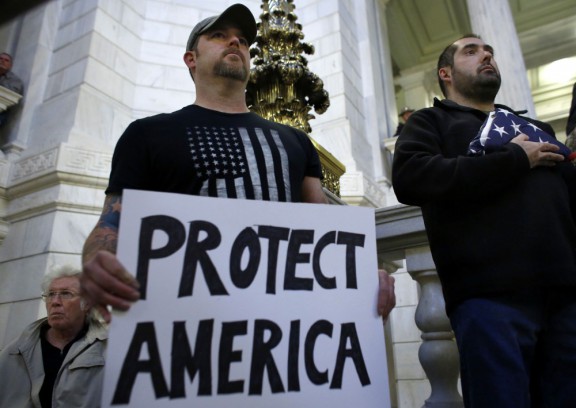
(401, 236)
(8, 98)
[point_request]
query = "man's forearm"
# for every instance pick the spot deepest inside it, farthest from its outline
(105, 235)
(101, 238)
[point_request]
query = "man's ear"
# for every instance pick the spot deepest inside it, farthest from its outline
(445, 74)
(190, 59)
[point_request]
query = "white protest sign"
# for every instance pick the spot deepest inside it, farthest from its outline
(247, 304)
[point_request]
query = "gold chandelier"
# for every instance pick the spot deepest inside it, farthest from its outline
(281, 88)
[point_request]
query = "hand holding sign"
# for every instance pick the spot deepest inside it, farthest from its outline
(386, 294)
(105, 281)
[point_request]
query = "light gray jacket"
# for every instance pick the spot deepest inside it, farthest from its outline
(78, 383)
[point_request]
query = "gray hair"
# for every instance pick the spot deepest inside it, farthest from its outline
(60, 271)
(67, 271)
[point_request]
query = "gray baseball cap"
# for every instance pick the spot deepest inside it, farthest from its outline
(238, 14)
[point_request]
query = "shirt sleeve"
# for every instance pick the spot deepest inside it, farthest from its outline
(130, 161)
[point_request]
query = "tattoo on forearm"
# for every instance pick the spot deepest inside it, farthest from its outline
(101, 239)
(105, 234)
(110, 217)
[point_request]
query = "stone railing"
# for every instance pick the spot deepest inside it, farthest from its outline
(401, 236)
(8, 98)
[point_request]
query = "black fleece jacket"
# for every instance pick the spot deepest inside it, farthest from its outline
(495, 225)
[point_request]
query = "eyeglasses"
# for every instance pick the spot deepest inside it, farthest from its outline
(64, 295)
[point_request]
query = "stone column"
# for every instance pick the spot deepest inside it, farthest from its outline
(438, 353)
(492, 20)
(416, 86)
(59, 147)
(385, 101)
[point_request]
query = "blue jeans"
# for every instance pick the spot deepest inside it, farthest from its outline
(518, 351)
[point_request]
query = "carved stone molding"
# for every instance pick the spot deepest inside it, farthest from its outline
(34, 166)
(63, 159)
(357, 189)
(85, 161)
(37, 184)
(8, 98)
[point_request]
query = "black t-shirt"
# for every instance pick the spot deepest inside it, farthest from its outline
(204, 152)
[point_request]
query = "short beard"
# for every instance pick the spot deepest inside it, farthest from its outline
(482, 88)
(225, 70)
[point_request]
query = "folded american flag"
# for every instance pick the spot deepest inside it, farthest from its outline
(501, 126)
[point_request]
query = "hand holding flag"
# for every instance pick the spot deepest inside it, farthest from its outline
(501, 126)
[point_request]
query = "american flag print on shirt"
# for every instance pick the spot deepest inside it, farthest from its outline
(249, 163)
(501, 126)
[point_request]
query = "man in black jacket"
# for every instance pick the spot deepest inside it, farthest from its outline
(502, 234)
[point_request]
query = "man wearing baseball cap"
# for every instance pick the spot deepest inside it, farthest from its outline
(256, 159)
(236, 14)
